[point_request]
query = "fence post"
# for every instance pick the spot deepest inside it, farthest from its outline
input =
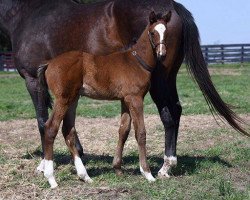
(222, 54)
(242, 53)
(1, 62)
(206, 54)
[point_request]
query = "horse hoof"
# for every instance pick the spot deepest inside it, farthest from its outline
(163, 175)
(88, 180)
(118, 172)
(53, 186)
(85, 178)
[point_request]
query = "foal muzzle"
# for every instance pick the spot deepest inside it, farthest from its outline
(161, 51)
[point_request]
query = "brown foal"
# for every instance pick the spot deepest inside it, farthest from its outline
(123, 76)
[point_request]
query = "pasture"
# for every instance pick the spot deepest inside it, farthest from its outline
(213, 159)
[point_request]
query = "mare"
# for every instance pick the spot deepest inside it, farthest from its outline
(123, 76)
(42, 29)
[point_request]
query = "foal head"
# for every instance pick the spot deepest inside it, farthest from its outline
(157, 33)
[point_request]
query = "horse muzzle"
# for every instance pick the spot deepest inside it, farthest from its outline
(161, 52)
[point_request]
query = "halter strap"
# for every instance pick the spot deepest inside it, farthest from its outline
(142, 62)
(152, 43)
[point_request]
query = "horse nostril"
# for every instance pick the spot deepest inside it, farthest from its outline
(161, 57)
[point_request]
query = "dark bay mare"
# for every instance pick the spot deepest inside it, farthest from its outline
(123, 76)
(42, 29)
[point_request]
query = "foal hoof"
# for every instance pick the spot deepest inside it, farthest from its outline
(118, 172)
(85, 178)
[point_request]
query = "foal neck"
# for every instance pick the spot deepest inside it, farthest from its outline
(144, 50)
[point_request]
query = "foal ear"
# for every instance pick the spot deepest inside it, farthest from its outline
(152, 17)
(167, 17)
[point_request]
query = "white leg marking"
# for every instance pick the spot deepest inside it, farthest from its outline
(41, 166)
(49, 173)
(168, 163)
(147, 175)
(81, 170)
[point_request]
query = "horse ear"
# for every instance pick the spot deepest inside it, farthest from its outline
(167, 17)
(152, 17)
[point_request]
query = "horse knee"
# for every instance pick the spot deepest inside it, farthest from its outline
(50, 133)
(171, 119)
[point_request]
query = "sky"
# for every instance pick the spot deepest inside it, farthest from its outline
(221, 21)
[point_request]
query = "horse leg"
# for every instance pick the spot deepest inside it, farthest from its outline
(42, 114)
(124, 130)
(69, 123)
(70, 136)
(51, 130)
(163, 92)
(135, 105)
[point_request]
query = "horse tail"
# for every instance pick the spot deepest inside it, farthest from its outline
(43, 86)
(197, 68)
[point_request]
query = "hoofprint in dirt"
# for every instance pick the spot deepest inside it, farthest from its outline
(201, 140)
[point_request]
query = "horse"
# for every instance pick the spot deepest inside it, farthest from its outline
(41, 29)
(123, 76)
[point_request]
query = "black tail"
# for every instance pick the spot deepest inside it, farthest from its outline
(197, 67)
(43, 87)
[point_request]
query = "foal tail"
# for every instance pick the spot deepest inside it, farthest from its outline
(43, 87)
(197, 67)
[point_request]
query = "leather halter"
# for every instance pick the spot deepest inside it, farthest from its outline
(154, 46)
(142, 62)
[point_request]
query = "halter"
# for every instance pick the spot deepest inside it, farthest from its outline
(154, 46)
(142, 62)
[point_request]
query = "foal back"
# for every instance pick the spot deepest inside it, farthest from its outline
(110, 77)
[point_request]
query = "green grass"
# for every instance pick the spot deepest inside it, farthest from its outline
(15, 102)
(218, 172)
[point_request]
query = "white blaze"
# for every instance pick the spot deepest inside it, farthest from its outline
(161, 28)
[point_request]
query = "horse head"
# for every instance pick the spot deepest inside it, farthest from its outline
(158, 32)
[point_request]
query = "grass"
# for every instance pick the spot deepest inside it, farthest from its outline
(15, 102)
(219, 171)
(213, 162)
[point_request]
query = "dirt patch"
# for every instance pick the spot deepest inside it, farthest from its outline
(19, 140)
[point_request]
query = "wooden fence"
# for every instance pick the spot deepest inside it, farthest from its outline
(7, 61)
(225, 53)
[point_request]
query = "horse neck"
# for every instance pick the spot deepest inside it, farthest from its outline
(12, 12)
(144, 49)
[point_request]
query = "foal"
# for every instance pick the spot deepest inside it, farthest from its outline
(123, 76)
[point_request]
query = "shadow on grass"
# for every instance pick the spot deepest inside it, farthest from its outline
(102, 164)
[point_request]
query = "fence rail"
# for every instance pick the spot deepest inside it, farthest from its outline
(7, 61)
(225, 53)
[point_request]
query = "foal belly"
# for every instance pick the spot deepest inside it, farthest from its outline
(97, 93)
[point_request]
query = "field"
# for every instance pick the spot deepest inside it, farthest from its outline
(213, 159)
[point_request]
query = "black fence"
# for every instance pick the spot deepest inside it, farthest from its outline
(225, 53)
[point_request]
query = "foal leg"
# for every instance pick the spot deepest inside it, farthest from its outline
(51, 130)
(70, 135)
(69, 123)
(163, 92)
(124, 130)
(135, 105)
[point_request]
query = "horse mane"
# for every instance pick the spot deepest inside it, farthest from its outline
(197, 68)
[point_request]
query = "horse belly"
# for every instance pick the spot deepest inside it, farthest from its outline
(96, 93)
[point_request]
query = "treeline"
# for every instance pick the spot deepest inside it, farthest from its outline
(5, 44)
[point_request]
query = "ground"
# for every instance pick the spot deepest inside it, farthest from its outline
(19, 141)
